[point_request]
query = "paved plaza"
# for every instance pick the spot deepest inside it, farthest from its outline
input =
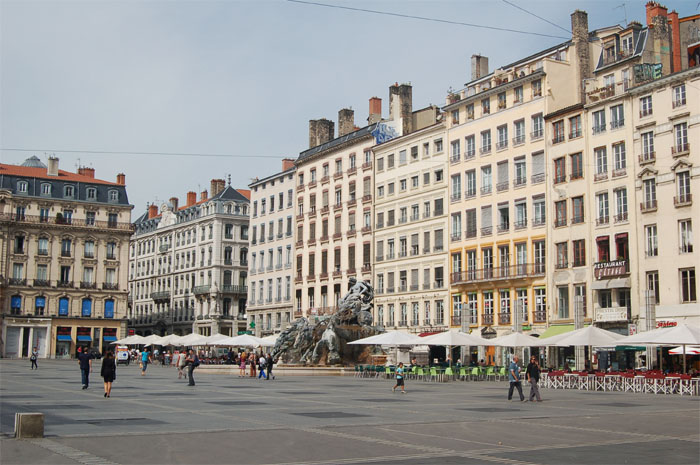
(158, 419)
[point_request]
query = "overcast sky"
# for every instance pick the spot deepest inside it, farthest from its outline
(237, 78)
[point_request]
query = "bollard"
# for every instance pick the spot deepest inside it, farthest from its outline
(29, 425)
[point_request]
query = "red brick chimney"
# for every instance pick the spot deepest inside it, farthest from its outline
(85, 171)
(217, 185)
(152, 211)
(655, 9)
(191, 198)
(287, 164)
(174, 203)
(375, 110)
(203, 196)
(121, 179)
(675, 41)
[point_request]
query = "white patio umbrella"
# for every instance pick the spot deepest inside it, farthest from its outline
(244, 340)
(214, 338)
(151, 340)
(171, 340)
(588, 336)
(517, 340)
(454, 337)
(682, 334)
(391, 338)
(688, 351)
(271, 338)
(193, 340)
(130, 340)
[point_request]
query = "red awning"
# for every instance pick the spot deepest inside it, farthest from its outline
(430, 333)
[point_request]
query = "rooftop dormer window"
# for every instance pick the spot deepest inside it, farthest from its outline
(627, 45)
(113, 196)
(69, 191)
(46, 189)
(91, 193)
(22, 187)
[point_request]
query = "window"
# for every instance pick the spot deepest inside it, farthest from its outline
(685, 236)
(469, 147)
(688, 291)
(538, 207)
(68, 191)
(43, 246)
(470, 183)
(66, 247)
(455, 116)
(89, 249)
(470, 216)
(652, 247)
(601, 163)
(45, 189)
(558, 132)
(563, 302)
(683, 183)
(603, 244)
(520, 214)
(679, 96)
(562, 254)
(113, 196)
(536, 88)
(22, 187)
(598, 121)
(438, 175)
(414, 182)
(560, 211)
(680, 132)
(579, 247)
(537, 126)
(649, 193)
(617, 116)
(519, 132)
(603, 208)
(621, 205)
(518, 94)
(456, 185)
(454, 151)
(501, 100)
(486, 179)
(402, 185)
(575, 127)
(503, 218)
(437, 145)
(485, 106)
(456, 226)
(645, 106)
(648, 153)
(619, 159)
(502, 137)
(559, 170)
(390, 161)
(485, 142)
(653, 284)
(576, 166)
(577, 209)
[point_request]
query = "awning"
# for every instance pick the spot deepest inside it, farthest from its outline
(84, 339)
(64, 337)
(110, 338)
(430, 333)
(555, 330)
(642, 348)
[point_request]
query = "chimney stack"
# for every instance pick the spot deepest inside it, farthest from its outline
(191, 198)
(152, 211)
(480, 66)
(217, 185)
(675, 41)
(121, 179)
(85, 171)
(52, 169)
(579, 36)
(660, 35)
(375, 110)
(174, 203)
(346, 121)
(287, 163)
(401, 107)
(313, 133)
(320, 132)
(203, 196)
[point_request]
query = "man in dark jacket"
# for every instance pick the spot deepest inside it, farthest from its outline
(269, 364)
(85, 363)
(533, 376)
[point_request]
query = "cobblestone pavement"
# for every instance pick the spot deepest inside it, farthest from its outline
(158, 419)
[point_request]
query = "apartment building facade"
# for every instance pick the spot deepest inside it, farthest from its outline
(188, 265)
(666, 135)
(410, 260)
(64, 259)
(271, 250)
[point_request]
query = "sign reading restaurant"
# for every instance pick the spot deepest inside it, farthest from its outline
(613, 269)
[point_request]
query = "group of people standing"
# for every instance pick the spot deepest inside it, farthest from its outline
(263, 363)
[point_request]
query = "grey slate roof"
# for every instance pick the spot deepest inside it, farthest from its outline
(367, 130)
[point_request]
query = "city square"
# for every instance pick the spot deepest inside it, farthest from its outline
(158, 419)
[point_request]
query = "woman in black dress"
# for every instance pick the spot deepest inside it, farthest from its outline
(108, 372)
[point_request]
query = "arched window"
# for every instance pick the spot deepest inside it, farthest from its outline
(63, 306)
(39, 305)
(16, 305)
(109, 308)
(86, 307)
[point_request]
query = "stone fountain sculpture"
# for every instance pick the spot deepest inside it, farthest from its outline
(325, 342)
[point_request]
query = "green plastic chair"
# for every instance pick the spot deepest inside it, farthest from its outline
(490, 372)
(463, 373)
(389, 372)
(433, 374)
(421, 373)
(502, 373)
(414, 371)
(449, 372)
(475, 373)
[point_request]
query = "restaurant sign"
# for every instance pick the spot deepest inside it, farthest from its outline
(666, 323)
(611, 314)
(613, 269)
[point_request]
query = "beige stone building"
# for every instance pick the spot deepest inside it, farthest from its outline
(666, 136)
(271, 251)
(411, 289)
(65, 239)
(188, 269)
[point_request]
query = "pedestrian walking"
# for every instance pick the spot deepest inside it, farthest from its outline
(33, 357)
(399, 379)
(533, 377)
(253, 362)
(192, 362)
(85, 364)
(269, 365)
(181, 363)
(108, 372)
(145, 358)
(514, 378)
(241, 366)
(262, 361)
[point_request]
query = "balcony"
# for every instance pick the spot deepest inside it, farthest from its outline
(337, 235)
(234, 289)
(617, 123)
(325, 210)
(338, 175)
(502, 186)
(539, 316)
(487, 319)
(575, 134)
(558, 139)
(517, 140)
(42, 283)
(600, 176)
(338, 206)
(64, 284)
(648, 206)
(598, 129)
(503, 227)
(559, 222)
(485, 190)
(301, 188)
(312, 184)
(88, 285)
(519, 182)
(522, 224)
(501, 145)
(560, 179)
(367, 166)
(537, 178)
(538, 134)
(683, 200)
(504, 318)
(512, 272)
(680, 149)
(678, 102)
(561, 265)
(487, 231)
(352, 232)
(468, 195)
(17, 282)
(200, 290)
(469, 154)
(485, 150)
(161, 296)
(352, 202)
(621, 217)
(647, 157)
(352, 170)
(337, 274)
(619, 172)
(456, 320)
(455, 158)
(324, 238)
(455, 197)
(366, 268)
(72, 222)
(325, 179)
(367, 198)
(110, 286)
